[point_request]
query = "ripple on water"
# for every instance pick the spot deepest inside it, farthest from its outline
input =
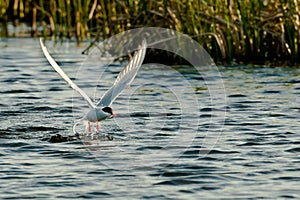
(293, 150)
(36, 129)
(18, 91)
(237, 96)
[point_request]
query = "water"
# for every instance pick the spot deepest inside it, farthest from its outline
(159, 150)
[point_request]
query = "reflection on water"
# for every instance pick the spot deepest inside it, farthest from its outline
(159, 149)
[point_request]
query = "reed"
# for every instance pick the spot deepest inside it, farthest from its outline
(241, 30)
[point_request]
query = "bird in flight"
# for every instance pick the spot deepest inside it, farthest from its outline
(102, 109)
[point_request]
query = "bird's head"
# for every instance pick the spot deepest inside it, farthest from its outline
(108, 110)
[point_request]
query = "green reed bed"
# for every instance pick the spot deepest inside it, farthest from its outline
(242, 30)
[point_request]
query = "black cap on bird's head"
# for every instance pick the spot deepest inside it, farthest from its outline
(109, 110)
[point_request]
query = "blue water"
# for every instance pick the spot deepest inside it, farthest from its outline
(171, 139)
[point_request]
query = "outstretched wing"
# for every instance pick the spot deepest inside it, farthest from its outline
(64, 76)
(125, 77)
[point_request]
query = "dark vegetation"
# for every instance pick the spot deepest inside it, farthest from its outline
(230, 30)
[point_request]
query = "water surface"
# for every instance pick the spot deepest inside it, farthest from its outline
(171, 139)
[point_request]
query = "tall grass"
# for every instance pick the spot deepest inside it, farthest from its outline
(242, 30)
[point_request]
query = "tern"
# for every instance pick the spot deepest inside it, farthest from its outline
(102, 109)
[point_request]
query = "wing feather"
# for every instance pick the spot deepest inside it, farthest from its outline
(57, 68)
(125, 77)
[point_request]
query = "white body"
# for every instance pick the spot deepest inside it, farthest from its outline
(97, 115)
